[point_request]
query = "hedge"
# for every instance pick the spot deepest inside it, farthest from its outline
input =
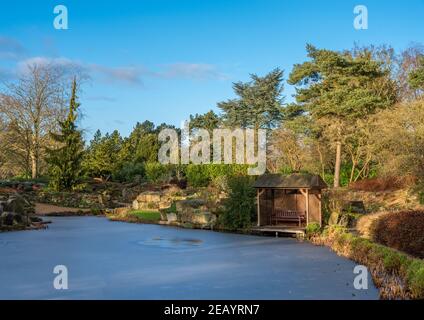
(403, 231)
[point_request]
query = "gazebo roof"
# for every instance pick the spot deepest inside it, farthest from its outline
(291, 181)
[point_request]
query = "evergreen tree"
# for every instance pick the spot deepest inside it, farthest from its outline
(65, 160)
(102, 158)
(259, 103)
(416, 77)
(208, 121)
(336, 89)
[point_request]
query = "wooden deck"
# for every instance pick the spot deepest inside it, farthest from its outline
(281, 229)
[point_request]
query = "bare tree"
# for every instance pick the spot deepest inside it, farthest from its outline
(31, 107)
(408, 61)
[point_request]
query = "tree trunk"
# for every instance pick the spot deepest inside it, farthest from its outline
(321, 160)
(338, 164)
(34, 165)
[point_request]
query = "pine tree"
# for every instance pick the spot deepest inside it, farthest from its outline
(338, 88)
(65, 160)
(259, 102)
(416, 77)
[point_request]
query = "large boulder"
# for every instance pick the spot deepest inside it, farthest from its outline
(16, 204)
(194, 211)
(151, 200)
(149, 196)
(8, 218)
(171, 217)
(2, 206)
(204, 218)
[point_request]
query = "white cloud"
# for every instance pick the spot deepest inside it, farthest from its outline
(101, 98)
(127, 74)
(199, 71)
(10, 49)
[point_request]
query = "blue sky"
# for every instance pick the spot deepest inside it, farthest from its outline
(162, 60)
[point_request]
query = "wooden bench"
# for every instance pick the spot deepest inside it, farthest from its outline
(288, 216)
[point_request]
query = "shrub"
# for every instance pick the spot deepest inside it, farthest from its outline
(239, 208)
(171, 209)
(202, 175)
(313, 229)
(129, 172)
(401, 230)
(197, 175)
(156, 172)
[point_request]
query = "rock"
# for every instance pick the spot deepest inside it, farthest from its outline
(171, 217)
(165, 204)
(135, 205)
(150, 200)
(334, 218)
(191, 204)
(35, 219)
(121, 211)
(7, 218)
(204, 218)
(355, 207)
(17, 204)
(194, 211)
(17, 219)
(171, 190)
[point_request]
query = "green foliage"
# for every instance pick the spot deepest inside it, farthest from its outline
(419, 190)
(342, 85)
(416, 77)
(338, 92)
(65, 160)
(198, 175)
(103, 155)
(202, 175)
(151, 216)
(259, 102)
(125, 159)
(171, 209)
(156, 172)
(313, 229)
(208, 121)
(239, 208)
(142, 145)
(130, 172)
(415, 278)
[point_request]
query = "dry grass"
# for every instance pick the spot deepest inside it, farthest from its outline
(364, 223)
(383, 184)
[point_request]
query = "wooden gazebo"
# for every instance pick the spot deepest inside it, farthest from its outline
(289, 200)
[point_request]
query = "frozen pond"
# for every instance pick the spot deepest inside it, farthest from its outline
(114, 260)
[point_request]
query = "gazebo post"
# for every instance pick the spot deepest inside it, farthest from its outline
(305, 192)
(273, 204)
(307, 207)
(259, 207)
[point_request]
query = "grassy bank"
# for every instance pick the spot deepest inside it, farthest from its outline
(396, 274)
(136, 216)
